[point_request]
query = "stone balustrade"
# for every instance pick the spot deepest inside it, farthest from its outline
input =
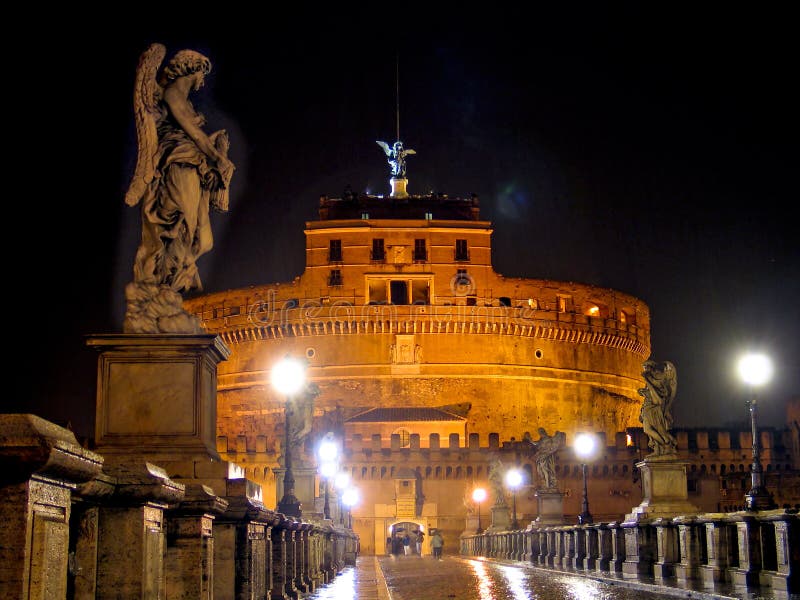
(748, 551)
(76, 527)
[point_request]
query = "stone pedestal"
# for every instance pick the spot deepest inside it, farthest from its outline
(42, 465)
(157, 394)
(551, 507)
(663, 488)
(304, 480)
(131, 532)
(471, 527)
(501, 519)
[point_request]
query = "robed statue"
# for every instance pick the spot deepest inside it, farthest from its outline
(181, 174)
(397, 157)
(545, 456)
(496, 474)
(661, 383)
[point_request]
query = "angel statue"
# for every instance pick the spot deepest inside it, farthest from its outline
(496, 473)
(181, 173)
(661, 383)
(545, 457)
(397, 158)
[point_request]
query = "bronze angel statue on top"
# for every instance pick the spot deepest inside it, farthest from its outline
(661, 385)
(181, 173)
(397, 157)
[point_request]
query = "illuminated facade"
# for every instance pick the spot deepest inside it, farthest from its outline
(430, 365)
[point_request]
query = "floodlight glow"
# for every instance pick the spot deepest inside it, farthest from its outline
(755, 369)
(479, 495)
(514, 478)
(584, 444)
(350, 497)
(328, 451)
(342, 480)
(288, 376)
(327, 469)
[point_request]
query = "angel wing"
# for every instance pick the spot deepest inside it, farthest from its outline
(146, 95)
(385, 146)
(409, 151)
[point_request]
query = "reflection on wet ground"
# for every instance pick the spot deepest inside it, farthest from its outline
(425, 578)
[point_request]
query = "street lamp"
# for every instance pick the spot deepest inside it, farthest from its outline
(479, 495)
(350, 499)
(327, 453)
(756, 370)
(514, 480)
(584, 448)
(288, 377)
(341, 483)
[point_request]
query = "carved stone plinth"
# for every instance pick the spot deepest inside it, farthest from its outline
(551, 507)
(42, 465)
(664, 489)
(501, 519)
(157, 394)
(304, 478)
(131, 532)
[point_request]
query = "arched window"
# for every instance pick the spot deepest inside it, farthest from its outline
(405, 436)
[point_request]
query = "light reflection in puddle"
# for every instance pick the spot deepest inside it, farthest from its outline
(343, 586)
(484, 582)
(515, 579)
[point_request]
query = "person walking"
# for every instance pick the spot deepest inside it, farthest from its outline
(406, 544)
(437, 541)
(420, 538)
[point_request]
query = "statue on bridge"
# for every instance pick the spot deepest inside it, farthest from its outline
(181, 173)
(661, 382)
(545, 456)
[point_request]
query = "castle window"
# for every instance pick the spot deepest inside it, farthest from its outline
(462, 252)
(420, 251)
(405, 436)
(563, 303)
(335, 278)
(428, 216)
(399, 291)
(420, 291)
(378, 249)
(335, 251)
(504, 301)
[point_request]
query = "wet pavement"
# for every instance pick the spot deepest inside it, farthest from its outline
(457, 578)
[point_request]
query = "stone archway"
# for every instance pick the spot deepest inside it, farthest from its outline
(398, 531)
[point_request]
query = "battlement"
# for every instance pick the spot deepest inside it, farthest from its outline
(711, 452)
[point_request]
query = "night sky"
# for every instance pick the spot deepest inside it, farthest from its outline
(649, 153)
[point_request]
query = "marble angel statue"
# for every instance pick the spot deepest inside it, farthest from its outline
(181, 173)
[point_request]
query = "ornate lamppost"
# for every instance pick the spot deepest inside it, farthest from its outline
(288, 377)
(478, 496)
(584, 448)
(327, 452)
(513, 481)
(756, 370)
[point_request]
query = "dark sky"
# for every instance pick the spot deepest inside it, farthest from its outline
(643, 151)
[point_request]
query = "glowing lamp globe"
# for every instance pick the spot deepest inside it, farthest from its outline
(288, 376)
(479, 495)
(513, 479)
(755, 369)
(342, 481)
(584, 444)
(350, 497)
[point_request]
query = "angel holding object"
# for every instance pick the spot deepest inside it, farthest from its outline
(181, 173)
(397, 157)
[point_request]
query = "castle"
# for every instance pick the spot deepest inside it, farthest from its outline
(429, 365)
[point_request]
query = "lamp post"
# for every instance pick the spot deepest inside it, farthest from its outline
(756, 370)
(514, 480)
(327, 453)
(341, 483)
(584, 448)
(478, 496)
(350, 499)
(288, 377)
